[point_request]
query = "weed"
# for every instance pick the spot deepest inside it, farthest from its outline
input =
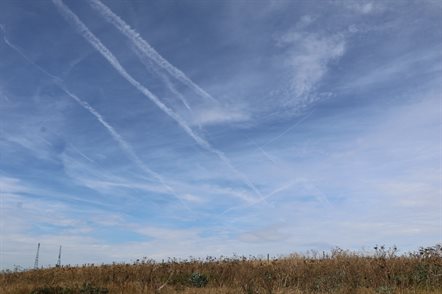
(88, 288)
(339, 271)
(198, 280)
(385, 290)
(52, 290)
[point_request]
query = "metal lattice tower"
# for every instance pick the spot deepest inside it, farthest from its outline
(59, 258)
(36, 257)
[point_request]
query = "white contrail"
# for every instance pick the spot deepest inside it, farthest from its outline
(267, 156)
(174, 91)
(146, 48)
(123, 144)
(147, 62)
(73, 19)
(81, 153)
(288, 129)
(49, 143)
(319, 196)
(117, 137)
(19, 51)
(262, 199)
(114, 134)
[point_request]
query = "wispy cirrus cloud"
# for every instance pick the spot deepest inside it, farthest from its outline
(362, 7)
(218, 115)
(145, 49)
(111, 130)
(204, 114)
(332, 108)
(308, 57)
(97, 44)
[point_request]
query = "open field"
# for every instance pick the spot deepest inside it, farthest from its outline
(335, 272)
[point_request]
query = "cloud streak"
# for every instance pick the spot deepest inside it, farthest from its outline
(363, 134)
(287, 130)
(123, 144)
(148, 65)
(73, 19)
(20, 52)
(309, 55)
(128, 150)
(146, 49)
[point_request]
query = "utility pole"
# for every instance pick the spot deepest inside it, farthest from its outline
(59, 258)
(36, 257)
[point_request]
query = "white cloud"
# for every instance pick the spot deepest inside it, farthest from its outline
(192, 198)
(309, 56)
(413, 193)
(433, 3)
(400, 67)
(104, 186)
(217, 115)
(363, 7)
(11, 185)
(268, 234)
(3, 96)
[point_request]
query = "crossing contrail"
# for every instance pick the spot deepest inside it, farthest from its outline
(73, 19)
(147, 62)
(262, 199)
(146, 48)
(128, 150)
(288, 129)
(117, 137)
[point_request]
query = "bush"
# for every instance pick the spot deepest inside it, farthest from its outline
(52, 290)
(88, 288)
(198, 280)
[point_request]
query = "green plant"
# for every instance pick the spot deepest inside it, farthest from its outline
(198, 280)
(340, 271)
(385, 290)
(88, 288)
(52, 290)
(421, 273)
(248, 288)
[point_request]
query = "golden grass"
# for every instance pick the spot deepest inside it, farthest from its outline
(338, 272)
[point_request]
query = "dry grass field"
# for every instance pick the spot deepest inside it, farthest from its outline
(335, 272)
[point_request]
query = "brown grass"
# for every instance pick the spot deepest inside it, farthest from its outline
(337, 272)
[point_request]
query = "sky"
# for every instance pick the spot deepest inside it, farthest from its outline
(159, 129)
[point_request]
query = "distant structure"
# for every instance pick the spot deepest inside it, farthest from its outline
(36, 257)
(59, 258)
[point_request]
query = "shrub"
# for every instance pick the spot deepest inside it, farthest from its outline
(198, 280)
(88, 288)
(52, 290)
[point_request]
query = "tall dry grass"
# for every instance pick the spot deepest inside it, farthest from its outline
(336, 272)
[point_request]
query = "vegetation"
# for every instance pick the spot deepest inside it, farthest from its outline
(338, 271)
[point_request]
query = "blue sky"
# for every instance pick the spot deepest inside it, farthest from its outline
(194, 128)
